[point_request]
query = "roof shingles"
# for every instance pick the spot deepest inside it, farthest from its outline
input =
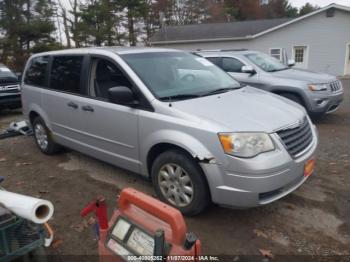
(216, 30)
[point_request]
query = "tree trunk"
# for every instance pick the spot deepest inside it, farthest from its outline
(132, 38)
(66, 29)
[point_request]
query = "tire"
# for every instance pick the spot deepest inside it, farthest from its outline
(43, 137)
(175, 173)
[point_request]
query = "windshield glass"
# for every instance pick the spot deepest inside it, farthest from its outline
(266, 62)
(6, 73)
(178, 74)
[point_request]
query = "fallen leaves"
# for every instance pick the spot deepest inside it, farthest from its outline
(19, 183)
(80, 227)
(56, 243)
(266, 253)
(23, 164)
(260, 233)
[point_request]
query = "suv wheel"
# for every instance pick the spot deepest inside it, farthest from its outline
(179, 181)
(43, 137)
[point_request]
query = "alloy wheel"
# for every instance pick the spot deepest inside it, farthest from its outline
(176, 185)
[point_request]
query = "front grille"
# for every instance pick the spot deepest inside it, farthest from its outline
(9, 88)
(335, 86)
(296, 139)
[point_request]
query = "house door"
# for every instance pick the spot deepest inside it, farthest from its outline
(348, 61)
(300, 54)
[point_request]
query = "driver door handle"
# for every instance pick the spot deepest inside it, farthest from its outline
(72, 105)
(87, 108)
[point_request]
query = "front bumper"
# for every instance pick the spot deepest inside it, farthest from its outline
(10, 100)
(328, 102)
(258, 181)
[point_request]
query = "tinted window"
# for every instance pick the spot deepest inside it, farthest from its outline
(65, 73)
(232, 65)
(105, 75)
(214, 60)
(36, 72)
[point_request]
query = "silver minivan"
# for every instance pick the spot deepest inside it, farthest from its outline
(174, 117)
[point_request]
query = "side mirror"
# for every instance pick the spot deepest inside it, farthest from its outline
(291, 62)
(122, 95)
(248, 70)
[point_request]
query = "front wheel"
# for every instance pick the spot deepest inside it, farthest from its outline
(179, 181)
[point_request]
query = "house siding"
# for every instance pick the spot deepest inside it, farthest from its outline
(327, 39)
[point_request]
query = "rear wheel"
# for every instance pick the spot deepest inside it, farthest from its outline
(43, 137)
(179, 181)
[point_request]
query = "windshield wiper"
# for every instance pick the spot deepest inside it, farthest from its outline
(178, 97)
(220, 91)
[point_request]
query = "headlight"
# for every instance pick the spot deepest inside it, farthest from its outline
(246, 144)
(318, 87)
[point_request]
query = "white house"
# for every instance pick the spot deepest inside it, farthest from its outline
(319, 41)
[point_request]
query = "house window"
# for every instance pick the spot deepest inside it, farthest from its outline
(276, 53)
(299, 53)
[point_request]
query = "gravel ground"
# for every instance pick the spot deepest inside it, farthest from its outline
(314, 220)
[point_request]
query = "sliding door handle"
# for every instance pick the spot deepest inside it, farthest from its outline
(87, 108)
(72, 105)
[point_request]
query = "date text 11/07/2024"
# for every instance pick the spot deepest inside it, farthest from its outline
(173, 258)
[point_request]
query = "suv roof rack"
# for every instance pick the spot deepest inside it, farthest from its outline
(221, 50)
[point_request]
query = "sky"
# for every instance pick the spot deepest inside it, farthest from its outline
(321, 3)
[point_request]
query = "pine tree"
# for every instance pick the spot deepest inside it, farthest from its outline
(307, 8)
(27, 27)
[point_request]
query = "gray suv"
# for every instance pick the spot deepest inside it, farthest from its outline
(173, 117)
(319, 93)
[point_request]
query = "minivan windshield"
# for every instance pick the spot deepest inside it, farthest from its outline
(179, 75)
(266, 62)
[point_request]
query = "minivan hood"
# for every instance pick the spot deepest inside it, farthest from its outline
(304, 75)
(244, 110)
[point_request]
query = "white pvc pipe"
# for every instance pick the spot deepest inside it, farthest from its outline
(36, 210)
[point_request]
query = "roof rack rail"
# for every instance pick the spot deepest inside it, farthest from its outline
(221, 50)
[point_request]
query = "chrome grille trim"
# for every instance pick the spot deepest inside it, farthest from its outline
(335, 86)
(297, 139)
(9, 87)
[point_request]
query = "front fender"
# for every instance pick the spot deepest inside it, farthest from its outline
(177, 138)
(290, 89)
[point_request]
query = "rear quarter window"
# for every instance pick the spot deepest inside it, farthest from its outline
(36, 72)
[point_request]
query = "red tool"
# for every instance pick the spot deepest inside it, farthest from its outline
(142, 226)
(100, 208)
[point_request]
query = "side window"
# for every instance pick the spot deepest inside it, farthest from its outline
(232, 65)
(36, 72)
(105, 75)
(214, 60)
(65, 73)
